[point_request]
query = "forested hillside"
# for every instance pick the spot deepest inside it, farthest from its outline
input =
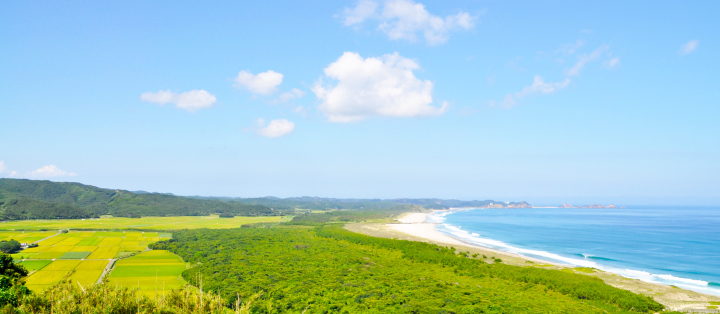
(32, 199)
(331, 270)
(322, 203)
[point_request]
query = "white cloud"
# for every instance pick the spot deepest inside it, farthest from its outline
(384, 86)
(612, 63)
(689, 47)
(288, 96)
(276, 128)
(403, 19)
(364, 9)
(585, 59)
(264, 83)
(191, 101)
(539, 86)
(3, 168)
(50, 171)
(569, 49)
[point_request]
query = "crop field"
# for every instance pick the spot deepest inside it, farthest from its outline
(150, 223)
(87, 253)
(25, 237)
(152, 272)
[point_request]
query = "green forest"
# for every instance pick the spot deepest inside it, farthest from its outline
(321, 203)
(33, 199)
(327, 269)
(36, 199)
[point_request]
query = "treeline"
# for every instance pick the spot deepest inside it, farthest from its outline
(32, 199)
(315, 219)
(320, 203)
(331, 270)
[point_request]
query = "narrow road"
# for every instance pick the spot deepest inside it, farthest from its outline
(59, 232)
(106, 270)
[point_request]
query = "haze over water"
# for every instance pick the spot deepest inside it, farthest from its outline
(667, 245)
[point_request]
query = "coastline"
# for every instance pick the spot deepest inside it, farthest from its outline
(414, 227)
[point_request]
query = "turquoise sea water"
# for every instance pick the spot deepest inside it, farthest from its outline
(672, 246)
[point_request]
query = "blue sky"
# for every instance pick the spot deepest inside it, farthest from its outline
(612, 102)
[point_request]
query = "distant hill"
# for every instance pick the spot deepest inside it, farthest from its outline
(322, 203)
(33, 199)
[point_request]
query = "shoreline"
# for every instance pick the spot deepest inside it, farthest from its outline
(414, 227)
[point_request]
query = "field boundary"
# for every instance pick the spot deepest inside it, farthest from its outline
(111, 265)
(54, 235)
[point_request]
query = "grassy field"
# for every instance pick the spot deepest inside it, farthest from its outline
(150, 223)
(152, 272)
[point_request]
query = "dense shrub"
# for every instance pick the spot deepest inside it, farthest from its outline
(329, 269)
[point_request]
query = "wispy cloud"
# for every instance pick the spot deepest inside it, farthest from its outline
(404, 19)
(276, 128)
(569, 49)
(191, 101)
(50, 171)
(585, 59)
(288, 96)
(689, 47)
(612, 63)
(538, 86)
(264, 83)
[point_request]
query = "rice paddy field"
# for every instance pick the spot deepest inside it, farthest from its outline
(86, 253)
(152, 272)
(149, 223)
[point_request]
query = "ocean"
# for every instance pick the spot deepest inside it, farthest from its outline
(666, 245)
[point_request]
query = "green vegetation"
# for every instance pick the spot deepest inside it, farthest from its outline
(145, 223)
(320, 203)
(11, 246)
(31, 199)
(35, 265)
(75, 255)
(11, 285)
(68, 297)
(152, 272)
(344, 216)
(329, 269)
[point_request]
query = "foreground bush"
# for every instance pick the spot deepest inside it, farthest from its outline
(71, 298)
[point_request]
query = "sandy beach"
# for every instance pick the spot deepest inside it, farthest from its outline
(413, 227)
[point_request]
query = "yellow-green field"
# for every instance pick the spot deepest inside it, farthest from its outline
(26, 236)
(151, 223)
(86, 273)
(152, 272)
(85, 252)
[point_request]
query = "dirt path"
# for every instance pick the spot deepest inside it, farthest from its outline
(58, 233)
(107, 269)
